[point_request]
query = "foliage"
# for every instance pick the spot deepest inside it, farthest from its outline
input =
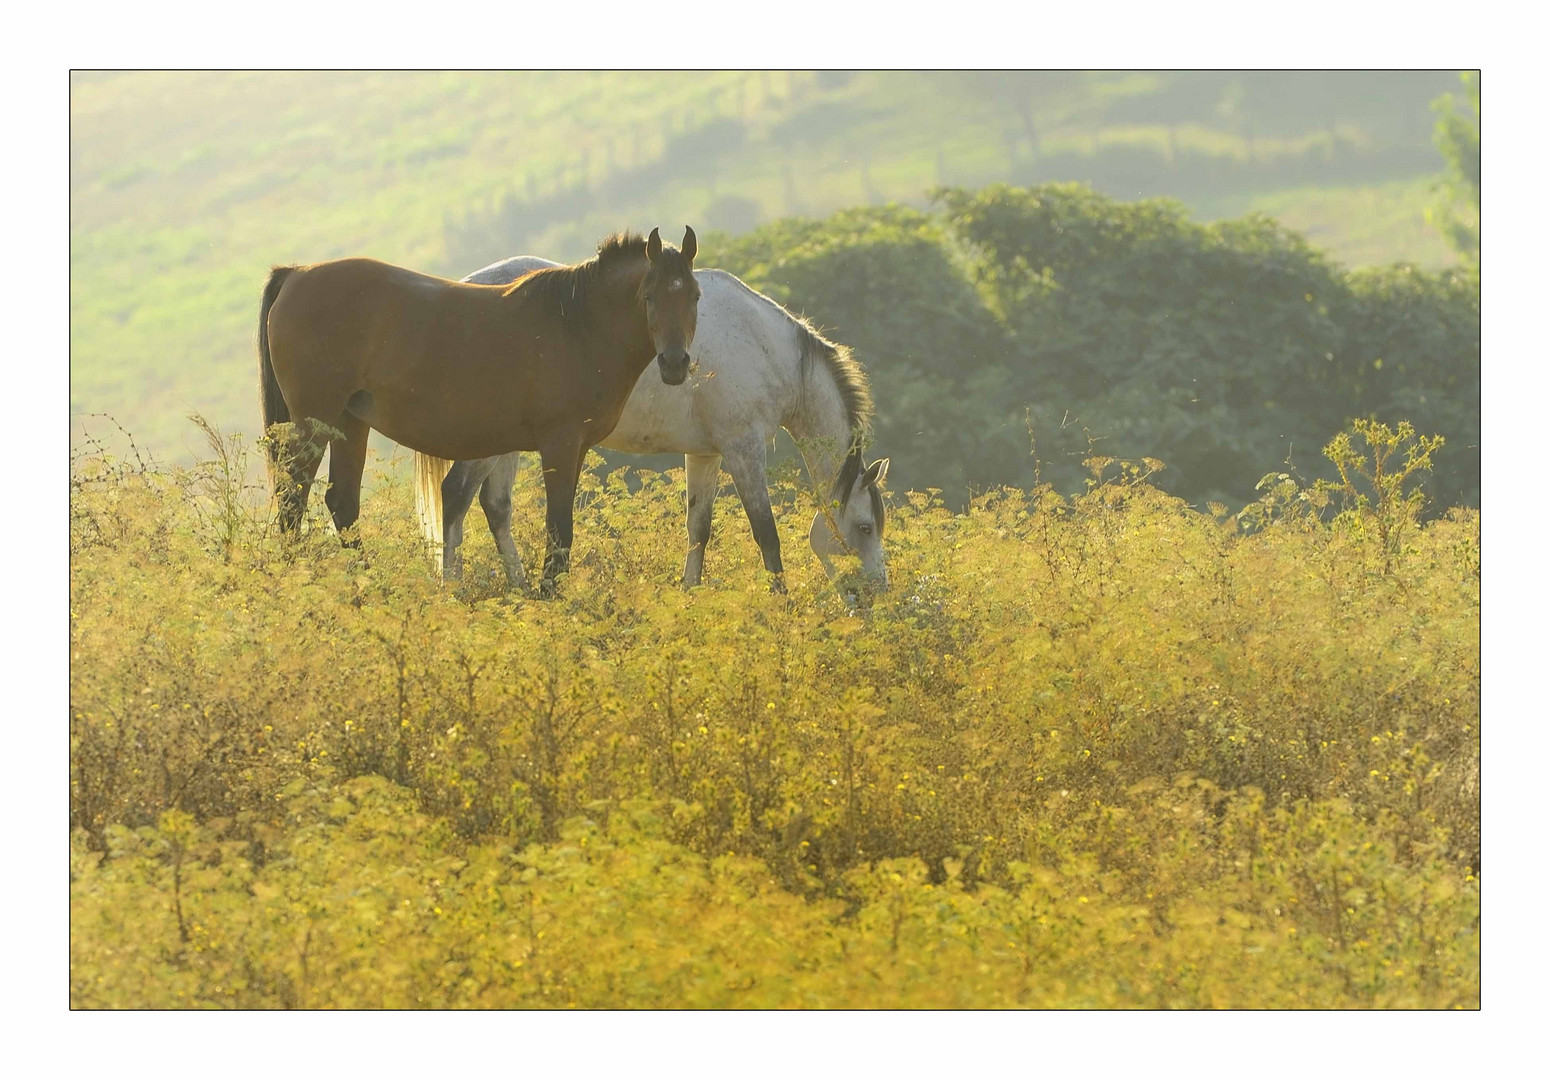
(1411, 347)
(1189, 342)
(1390, 508)
(1019, 331)
(1457, 135)
(370, 905)
(1098, 750)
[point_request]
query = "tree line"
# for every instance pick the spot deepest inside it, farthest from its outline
(1013, 334)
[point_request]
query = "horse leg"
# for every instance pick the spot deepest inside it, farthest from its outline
(746, 465)
(346, 463)
(495, 497)
(297, 465)
(702, 473)
(562, 466)
(457, 495)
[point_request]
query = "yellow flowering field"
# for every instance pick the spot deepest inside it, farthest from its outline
(1091, 750)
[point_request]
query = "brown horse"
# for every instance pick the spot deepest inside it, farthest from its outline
(466, 371)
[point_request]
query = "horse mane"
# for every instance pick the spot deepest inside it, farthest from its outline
(569, 288)
(855, 390)
(850, 468)
(850, 378)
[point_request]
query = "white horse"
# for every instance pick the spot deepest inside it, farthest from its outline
(757, 367)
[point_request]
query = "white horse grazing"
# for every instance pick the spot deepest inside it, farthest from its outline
(757, 367)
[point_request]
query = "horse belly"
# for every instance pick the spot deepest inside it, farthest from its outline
(659, 419)
(453, 441)
(447, 420)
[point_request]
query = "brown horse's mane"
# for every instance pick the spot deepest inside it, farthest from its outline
(568, 288)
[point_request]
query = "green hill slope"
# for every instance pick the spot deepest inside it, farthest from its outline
(186, 186)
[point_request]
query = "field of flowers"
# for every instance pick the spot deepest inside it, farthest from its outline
(1091, 750)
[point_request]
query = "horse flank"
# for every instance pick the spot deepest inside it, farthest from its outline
(567, 288)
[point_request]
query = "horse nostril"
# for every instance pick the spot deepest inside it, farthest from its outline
(674, 371)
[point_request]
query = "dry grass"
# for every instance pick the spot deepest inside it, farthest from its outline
(1102, 751)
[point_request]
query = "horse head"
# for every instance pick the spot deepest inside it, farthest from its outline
(852, 523)
(671, 298)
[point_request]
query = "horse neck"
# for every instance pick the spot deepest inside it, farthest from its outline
(618, 325)
(820, 425)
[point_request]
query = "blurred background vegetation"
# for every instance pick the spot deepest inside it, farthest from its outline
(1003, 316)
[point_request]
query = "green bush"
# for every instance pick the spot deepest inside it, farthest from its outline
(1167, 338)
(1410, 346)
(1019, 331)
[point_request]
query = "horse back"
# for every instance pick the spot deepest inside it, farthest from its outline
(337, 288)
(356, 311)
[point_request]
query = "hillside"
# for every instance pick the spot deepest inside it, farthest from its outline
(186, 186)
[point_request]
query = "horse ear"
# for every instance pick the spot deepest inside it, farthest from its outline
(875, 474)
(653, 245)
(690, 245)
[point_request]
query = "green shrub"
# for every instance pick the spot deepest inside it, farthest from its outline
(1411, 347)
(1017, 332)
(1215, 347)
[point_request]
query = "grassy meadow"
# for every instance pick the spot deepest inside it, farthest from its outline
(1104, 750)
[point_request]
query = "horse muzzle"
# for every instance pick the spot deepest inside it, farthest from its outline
(673, 366)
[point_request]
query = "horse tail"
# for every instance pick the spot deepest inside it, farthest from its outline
(429, 472)
(273, 402)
